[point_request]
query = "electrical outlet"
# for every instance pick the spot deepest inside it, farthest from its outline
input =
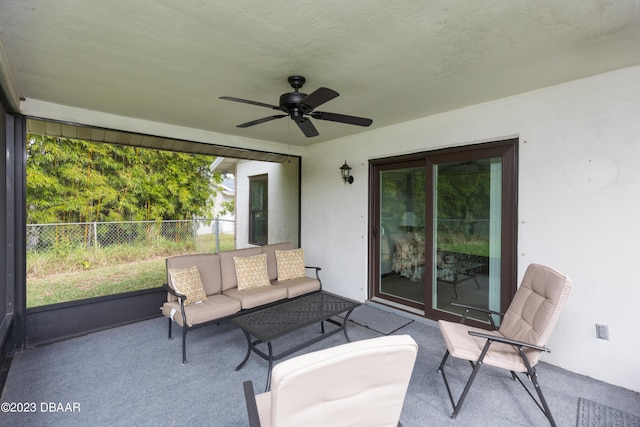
(602, 332)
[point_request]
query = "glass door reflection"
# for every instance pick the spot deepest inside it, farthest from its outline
(402, 236)
(467, 231)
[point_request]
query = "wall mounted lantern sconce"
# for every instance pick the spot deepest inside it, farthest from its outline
(346, 173)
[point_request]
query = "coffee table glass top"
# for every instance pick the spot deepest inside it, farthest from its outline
(272, 322)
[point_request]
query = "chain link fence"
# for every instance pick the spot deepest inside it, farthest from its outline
(72, 261)
(96, 235)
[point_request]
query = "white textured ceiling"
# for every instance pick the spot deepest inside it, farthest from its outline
(391, 60)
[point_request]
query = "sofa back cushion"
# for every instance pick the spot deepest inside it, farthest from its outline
(208, 265)
(228, 268)
(270, 250)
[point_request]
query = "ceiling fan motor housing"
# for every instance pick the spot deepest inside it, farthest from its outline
(290, 103)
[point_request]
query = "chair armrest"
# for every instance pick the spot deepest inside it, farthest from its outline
(252, 407)
(508, 341)
(489, 313)
(482, 310)
(173, 292)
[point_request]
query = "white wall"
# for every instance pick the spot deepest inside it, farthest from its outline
(283, 200)
(579, 197)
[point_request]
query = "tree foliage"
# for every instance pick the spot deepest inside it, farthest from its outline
(71, 180)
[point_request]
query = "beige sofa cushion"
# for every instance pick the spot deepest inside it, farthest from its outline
(251, 298)
(186, 281)
(270, 250)
(228, 267)
(215, 307)
(290, 264)
(251, 272)
(298, 286)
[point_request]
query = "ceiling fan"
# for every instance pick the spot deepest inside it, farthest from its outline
(300, 107)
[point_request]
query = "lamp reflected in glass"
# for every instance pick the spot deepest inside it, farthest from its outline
(408, 221)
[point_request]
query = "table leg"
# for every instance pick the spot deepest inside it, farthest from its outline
(455, 291)
(266, 389)
(475, 279)
(246, 358)
(344, 325)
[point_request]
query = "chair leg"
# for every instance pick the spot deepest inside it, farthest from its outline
(476, 367)
(444, 360)
(252, 407)
(547, 412)
(533, 377)
(170, 328)
(444, 377)
(467, 387)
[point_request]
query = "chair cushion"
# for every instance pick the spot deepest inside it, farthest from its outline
(531, 317)
(251, 272)
(536, 307)
(362, 383)
(464, 346)
(187, 282)
(263, 402)
(290, 264)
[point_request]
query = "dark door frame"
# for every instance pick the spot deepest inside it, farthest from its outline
(506, 149)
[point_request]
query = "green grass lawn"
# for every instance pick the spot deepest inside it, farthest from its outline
(49, 282)
(71, 286)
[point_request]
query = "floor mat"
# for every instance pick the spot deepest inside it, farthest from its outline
(378, 320)
(593, 414)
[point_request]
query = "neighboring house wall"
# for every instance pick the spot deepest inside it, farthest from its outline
(225, 193)
(283, 196)
(579, 187)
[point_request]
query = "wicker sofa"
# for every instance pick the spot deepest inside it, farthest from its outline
(230, 291)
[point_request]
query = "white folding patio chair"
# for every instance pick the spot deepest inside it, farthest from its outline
(519, 342)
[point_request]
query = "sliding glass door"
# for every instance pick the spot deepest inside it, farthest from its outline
(467, 205)
(443, 229)
(401, 230)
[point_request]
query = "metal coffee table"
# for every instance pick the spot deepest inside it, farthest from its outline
(272, 322)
